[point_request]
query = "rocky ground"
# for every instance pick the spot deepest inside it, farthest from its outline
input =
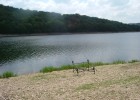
(111, 82)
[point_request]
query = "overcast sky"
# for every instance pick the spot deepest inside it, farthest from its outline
(127, 11)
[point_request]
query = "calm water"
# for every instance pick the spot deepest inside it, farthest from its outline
(30, 54)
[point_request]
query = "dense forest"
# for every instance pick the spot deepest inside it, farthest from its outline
(135, 24)
(19, 21)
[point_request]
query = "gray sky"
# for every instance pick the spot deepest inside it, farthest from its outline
(126, 11)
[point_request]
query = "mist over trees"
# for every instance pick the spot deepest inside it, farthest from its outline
(19, 21)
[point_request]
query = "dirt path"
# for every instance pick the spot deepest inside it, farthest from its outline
(111, 82)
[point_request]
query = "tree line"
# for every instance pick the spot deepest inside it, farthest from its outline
(19, 21)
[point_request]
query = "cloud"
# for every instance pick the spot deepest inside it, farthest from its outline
(119, 10)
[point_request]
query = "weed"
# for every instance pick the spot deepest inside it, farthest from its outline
(119, 62)
(8, 74)
(133, 61)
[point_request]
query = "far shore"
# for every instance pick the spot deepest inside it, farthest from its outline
(65, 33)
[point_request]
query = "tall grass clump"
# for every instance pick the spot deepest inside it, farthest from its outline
(0, 76)
(99, 64)
(119, 62)
(48, 69)
(8, 74)
(52, 68)
(79, 65)
(83, 65)
(65, 67)
(133, 61)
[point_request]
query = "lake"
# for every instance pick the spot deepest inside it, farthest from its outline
(29, 54)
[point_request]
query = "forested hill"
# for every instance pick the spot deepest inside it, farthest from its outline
(19, 21)
(135, 24)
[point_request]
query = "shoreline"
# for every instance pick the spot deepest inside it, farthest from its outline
(84, 65)
(117, 81)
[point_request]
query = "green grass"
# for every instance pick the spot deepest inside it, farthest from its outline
(0, 76)
(133, 61)
(82, 65)
(119, 62)
(52, 68)
(48, 69)
(8, 74)
(99, 64)
(65, 67)
(129, 80)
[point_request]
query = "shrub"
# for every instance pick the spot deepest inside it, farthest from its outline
(8, 74)
(133, 61)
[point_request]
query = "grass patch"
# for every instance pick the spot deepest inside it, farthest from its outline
(52, 68)
(107, 83)
(48, 69)
(7, 75)
(81, 65)
(133, 61)
(66, 67)
(119, 62)
(99, 64)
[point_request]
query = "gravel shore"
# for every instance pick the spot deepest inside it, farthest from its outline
(111, 82)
